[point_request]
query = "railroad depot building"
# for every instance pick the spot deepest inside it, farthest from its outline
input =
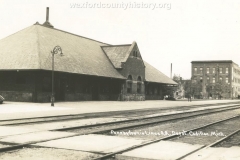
(87, 70)
(224, 73)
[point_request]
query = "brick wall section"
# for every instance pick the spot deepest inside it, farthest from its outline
(234, 85)
(134, 66)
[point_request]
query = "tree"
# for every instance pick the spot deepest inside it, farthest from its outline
(218, 89)
(177, 78)
(196, 88)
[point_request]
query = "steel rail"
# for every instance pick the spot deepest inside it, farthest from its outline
(164, 138)
(80, 116)
(148, 123)
(19, 146)
(210, 145)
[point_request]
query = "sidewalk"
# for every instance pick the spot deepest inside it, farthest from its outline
(15, 110)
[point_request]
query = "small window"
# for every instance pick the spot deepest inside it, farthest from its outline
(220, 70)
(213, 80)
(129, 84)
(201, 70)
(220, 79)
(195, 70)
(213, 70)
(135, 53)
(201, 79)
(226, 70)
(207, 70)
(208, 80)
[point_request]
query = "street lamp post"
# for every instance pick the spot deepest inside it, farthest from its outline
(56, 50)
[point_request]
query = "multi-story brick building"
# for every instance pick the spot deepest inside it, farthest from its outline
(88, 69)
(224, 74)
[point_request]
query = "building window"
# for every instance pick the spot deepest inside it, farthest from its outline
(220, 70)
(195, 70)
(220, 79)
(226, 70)
(201, 70)
(213, 80)
(139, 84)
(207, 70)
(208, 80)
(135, 54)
(213, 70)
(201, 79)
(129, 84)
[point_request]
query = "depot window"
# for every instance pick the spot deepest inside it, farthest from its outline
(129, 84)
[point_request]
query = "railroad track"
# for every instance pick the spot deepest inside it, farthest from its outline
(107, 129)
(212, 144)
(170, 137)
(35, 120)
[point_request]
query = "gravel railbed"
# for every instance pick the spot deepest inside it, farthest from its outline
(137, 122)
(117, 114)
(211, 133)
(150, 131)
(83, 122)
(72, 123)
(232, 141)
(39, 153)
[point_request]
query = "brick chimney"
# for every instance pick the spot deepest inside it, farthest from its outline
(47, 23)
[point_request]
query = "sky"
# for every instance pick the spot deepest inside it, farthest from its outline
(166, 32)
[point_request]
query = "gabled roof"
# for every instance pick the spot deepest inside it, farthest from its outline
(31, 49)
(117, 54)
(154, 75)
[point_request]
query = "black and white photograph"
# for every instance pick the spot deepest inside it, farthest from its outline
(119, 80)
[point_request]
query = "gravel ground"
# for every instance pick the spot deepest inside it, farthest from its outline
(174, 126)
(116, 114)
(212, 133)
(72, 123)
(46, 154)
(112, 126)
(232, 141)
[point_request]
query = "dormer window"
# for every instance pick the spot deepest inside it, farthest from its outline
(135, 54)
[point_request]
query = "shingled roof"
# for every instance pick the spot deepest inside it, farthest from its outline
(117, 54)
(154, 75)
(31, 47)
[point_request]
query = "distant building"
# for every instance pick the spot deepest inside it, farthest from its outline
(219, 79)
(88, 69)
